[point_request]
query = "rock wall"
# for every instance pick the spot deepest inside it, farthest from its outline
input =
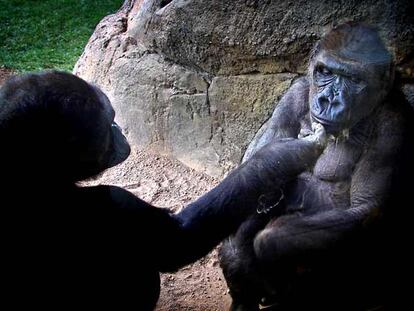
(196, 79)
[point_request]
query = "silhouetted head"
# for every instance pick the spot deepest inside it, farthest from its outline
(56, 125)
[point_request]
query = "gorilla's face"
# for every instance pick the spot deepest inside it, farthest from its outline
(342, 92)
(56, 126)
(350, 73)
(109, 147)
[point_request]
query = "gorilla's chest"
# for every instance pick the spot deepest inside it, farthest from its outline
(328, 184)
(337, 162)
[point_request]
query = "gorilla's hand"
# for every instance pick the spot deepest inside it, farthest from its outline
(282, 160)
(317, 135)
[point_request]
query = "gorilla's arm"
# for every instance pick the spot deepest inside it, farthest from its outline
(292, 235)
(157, 238)
(284, 122)
(218, 213)
(127, 221)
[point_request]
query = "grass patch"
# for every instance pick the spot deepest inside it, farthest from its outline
(48, 34)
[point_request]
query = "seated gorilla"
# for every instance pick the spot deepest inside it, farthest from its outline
(71, 246)
(323, 247)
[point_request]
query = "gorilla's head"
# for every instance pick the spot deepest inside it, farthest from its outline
(56, 125)
(351, 72)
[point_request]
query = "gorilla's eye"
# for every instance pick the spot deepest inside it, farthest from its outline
(323, 71)
(355, 80)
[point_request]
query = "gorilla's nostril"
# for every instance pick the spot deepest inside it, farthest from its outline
(322, 103)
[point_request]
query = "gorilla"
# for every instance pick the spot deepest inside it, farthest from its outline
(324, 246)
(69, 246)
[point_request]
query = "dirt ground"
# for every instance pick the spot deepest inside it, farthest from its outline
(167, 183)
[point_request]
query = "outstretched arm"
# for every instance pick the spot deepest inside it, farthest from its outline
(218, 213)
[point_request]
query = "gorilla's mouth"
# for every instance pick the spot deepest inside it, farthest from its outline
(331, 127)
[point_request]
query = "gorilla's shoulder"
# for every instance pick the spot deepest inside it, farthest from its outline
(302, 82)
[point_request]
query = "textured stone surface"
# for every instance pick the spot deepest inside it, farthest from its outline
(196, 79)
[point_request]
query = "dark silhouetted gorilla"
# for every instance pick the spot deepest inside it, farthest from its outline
(323, 247)
(102, 247)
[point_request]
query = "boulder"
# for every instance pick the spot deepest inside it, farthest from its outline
(196, 79)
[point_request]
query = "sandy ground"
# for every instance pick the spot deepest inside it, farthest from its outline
(167, 183)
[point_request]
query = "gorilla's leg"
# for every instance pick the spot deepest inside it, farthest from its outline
(298, 277)
(238, 261)
(245, 277)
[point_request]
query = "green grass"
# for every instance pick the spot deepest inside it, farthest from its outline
(48, 34)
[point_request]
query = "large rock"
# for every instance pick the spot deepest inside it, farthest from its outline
(196, 79)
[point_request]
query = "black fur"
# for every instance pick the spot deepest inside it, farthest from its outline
(70, 246)
(218, 213)
(323, 251)
(102, 247)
